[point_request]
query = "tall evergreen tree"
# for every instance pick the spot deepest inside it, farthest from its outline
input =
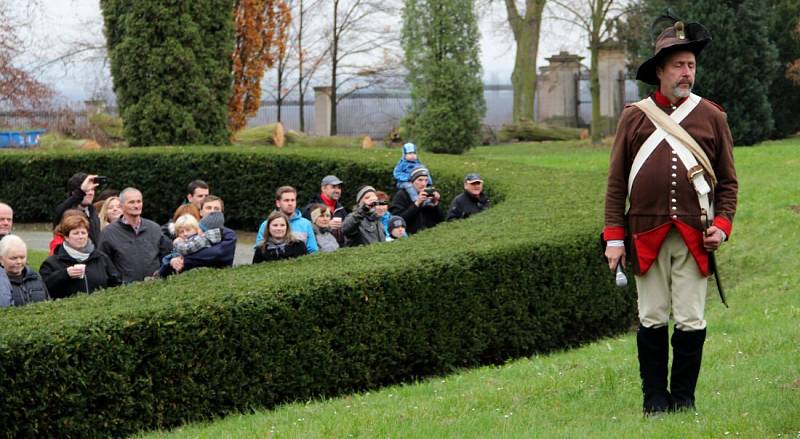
(737, 67)
(440, 40)
(171, 68)
(784, 94)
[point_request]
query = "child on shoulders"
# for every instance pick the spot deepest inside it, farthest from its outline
(402, 171)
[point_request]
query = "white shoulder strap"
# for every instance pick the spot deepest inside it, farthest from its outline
(659, 135)
(674, 137)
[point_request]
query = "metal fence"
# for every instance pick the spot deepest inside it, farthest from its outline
(373, 114)
(377, 114)
(51, 120)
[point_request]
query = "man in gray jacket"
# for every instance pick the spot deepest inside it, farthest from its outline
(363, 226)
(134, 244)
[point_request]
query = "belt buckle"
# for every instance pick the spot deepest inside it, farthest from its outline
(694, 171)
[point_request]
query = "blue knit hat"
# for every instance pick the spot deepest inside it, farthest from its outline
(409, 148)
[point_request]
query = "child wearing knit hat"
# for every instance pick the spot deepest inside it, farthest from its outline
(397, 228)
(403, 171)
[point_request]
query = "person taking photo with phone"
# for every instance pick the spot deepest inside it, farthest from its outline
(80, 195)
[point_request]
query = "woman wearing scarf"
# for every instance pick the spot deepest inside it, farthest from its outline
(327, 239)
(280, 243)
(25, 283)
(76, 265)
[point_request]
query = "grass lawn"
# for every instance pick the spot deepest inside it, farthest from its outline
(749, 385)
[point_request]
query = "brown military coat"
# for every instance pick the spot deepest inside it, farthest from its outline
(662, 195)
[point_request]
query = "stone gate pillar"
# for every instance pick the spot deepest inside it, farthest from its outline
(322, 111)
(558, 89)
(611, 67)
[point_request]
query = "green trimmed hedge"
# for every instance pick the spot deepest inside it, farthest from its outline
(521, 278)
(245, 178)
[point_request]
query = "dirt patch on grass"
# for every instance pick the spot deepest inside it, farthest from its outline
(795, 208)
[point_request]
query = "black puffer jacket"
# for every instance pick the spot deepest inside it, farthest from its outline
(266, 253)
(28, 288)
(100, 273)
(417, 218)
(465, 205)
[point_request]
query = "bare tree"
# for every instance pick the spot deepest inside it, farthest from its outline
(309, 57)
(87, 53)
(20, 90)
(595, 17)
(306, 51)
(356, 34)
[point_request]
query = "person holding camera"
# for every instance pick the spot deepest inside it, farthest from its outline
(363, 226)
(418, 214)
(80, 194)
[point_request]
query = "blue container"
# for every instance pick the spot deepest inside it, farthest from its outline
(20, 139)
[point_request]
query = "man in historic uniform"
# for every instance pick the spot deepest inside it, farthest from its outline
(672, 160)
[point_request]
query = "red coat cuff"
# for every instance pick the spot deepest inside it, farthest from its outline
(723, 224)
(613, 232)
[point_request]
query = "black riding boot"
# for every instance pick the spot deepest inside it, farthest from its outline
(653, 344)
(687, 353)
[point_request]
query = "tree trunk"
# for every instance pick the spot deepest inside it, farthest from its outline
(523, 78)
(594, 74)
(300, 59)
(279, 99)
(526, 34)
(334, 62)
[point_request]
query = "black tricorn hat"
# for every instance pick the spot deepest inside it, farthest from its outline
(677, 37)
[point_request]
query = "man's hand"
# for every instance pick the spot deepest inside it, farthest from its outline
(421, 198)
(615, 255)
(436, 197)
(88, 183)
(177, 264)
(713, 238)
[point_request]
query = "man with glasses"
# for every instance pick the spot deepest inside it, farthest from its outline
(471, 201)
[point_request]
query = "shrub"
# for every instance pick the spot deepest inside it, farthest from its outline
(171, 66)
(440, 41)
(521, 278)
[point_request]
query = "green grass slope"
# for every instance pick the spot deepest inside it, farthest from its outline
(749, 385)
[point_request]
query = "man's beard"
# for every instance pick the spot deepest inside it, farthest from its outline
(679, 92)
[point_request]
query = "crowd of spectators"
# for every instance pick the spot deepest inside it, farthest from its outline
(102, 240)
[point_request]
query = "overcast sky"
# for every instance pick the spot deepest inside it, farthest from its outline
(59, 22)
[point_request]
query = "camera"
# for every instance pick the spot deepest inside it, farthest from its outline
(429, 191)
(100, 179)
(377, 203)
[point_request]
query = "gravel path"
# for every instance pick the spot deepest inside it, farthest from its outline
(36, 239)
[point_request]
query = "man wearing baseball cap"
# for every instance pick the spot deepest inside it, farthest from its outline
(330, 195)
(471, 201)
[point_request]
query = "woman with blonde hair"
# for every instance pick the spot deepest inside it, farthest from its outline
(110, 211)
(168, 229)
(279, 243)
